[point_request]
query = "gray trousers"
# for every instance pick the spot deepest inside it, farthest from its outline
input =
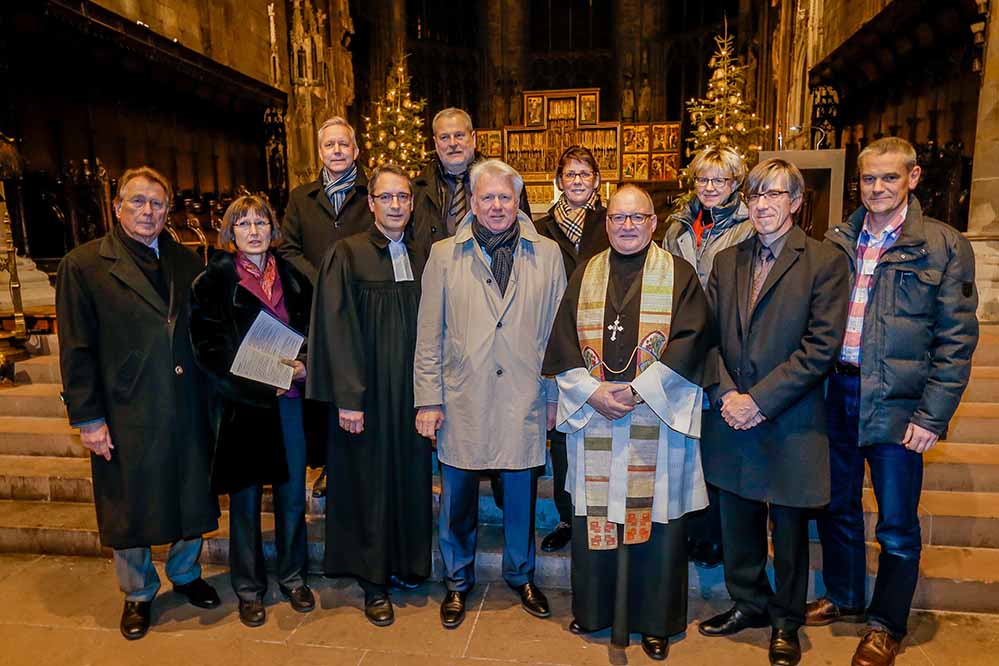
(137, 576)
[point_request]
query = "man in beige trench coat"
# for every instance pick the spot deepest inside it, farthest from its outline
(490, 294)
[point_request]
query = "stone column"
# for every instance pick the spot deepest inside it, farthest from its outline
(388, 41)
(983, 217)
(504, 30)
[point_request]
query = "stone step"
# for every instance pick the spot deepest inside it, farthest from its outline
(961, 466)
(32, 400)
(39, 370)
(961, 579)
(987, 351)
(948, 518)
(983, 385)
(39, 436)
(975, 422)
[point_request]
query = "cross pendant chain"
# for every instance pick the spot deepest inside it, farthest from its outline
(615, 328)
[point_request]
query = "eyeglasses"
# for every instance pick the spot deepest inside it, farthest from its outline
(770, 195)
(139, 203)
(244, 225)
(638, 219)
(717, 182)
(386, 198)
(569, 176)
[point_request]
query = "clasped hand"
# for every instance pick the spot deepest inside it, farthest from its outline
(612, 401)
(740, 411)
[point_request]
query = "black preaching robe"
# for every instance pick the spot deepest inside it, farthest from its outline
(638, 588)
(361, 347)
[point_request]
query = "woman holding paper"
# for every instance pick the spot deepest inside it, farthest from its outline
(260, 437)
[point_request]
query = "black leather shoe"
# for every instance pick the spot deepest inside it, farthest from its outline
(378, 609)
(135, 619)
(252, 613)
(657, 648)
(705, 554)
(453, 609)
(534, 600)
(731, 622)
(785, 650)
(300, 598)
(557, 539)
(404, 583)
(199, 593)
(319, 487)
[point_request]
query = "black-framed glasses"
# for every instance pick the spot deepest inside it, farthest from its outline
(638, 219)
(770, 195)
(386, 198)
(701, 181)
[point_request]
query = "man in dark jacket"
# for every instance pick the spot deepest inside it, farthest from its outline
(320, 213)
(905, 362)
(132, 387)
(441, 191)
(779, 300)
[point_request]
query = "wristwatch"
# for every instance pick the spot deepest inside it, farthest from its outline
(634, 394)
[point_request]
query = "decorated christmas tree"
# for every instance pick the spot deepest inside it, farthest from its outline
(723, 117)
(393, 135)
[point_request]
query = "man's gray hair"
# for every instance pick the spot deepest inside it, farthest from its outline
(453, 112)
(336, 120)
(766, 173)
(889, 144)
(496, 168)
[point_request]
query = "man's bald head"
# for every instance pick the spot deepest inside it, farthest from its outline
(633, 190)
(631, 219)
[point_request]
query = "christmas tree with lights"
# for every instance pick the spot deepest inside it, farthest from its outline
(393, 134)
(723, 117)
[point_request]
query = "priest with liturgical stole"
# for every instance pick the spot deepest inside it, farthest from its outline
(361, 345)
(627, 349)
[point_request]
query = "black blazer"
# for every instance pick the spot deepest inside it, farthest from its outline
(249, 444)
(779, 352)
(311, 225)
(593, 240)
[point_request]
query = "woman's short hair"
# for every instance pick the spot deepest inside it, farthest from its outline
(240, 208)
(496, 168)
(580, 154)
(724, 159)
(768, 172)
(393, 169)
(148, 173)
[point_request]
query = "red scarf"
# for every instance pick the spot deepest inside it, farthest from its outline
(266, 278)
(700, 228)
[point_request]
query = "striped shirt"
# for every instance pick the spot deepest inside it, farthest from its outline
(870, 248)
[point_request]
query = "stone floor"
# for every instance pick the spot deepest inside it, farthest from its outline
(65, 610)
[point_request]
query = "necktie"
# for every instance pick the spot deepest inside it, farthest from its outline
(762, 269)
(457, 210)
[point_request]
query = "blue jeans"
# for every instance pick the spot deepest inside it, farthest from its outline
(246, 549)
(137, 576)
(459, 518)
(897, 478)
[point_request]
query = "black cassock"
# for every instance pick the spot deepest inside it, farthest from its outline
(361, 347)
(638, 588)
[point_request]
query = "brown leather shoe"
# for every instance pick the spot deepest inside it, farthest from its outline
(877, 648)
(821, 612)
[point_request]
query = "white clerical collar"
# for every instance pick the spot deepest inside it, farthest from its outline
(401, 267)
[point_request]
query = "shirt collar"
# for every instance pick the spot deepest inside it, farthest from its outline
(890, 231)
(776, 245)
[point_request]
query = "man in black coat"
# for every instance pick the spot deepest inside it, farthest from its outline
(132, 387)
(905, 362)
(779, 300)
(320, 213)
(441, 191)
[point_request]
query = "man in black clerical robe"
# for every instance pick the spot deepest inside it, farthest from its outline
(361, 346)
(627, 349)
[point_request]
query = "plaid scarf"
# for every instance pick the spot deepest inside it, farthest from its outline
(570, 220)
(336, 188)
(499, 246)
(266, 278)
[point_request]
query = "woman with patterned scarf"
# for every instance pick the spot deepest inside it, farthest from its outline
(260, 438)
(577, 223)
(711, 218)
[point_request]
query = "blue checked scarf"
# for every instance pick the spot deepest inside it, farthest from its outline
(336, 189)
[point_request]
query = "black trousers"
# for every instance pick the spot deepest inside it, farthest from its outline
(560, 465)
(744, 542)
(704, 525)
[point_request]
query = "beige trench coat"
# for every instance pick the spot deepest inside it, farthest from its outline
(479, 353)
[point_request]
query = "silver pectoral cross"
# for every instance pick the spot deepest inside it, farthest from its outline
(615, 328)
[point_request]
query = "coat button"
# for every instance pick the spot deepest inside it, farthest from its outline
(489, 280)
(179, 370)
(499, 372)
(499, 324)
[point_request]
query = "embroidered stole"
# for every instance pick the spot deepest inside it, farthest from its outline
(655, 313)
